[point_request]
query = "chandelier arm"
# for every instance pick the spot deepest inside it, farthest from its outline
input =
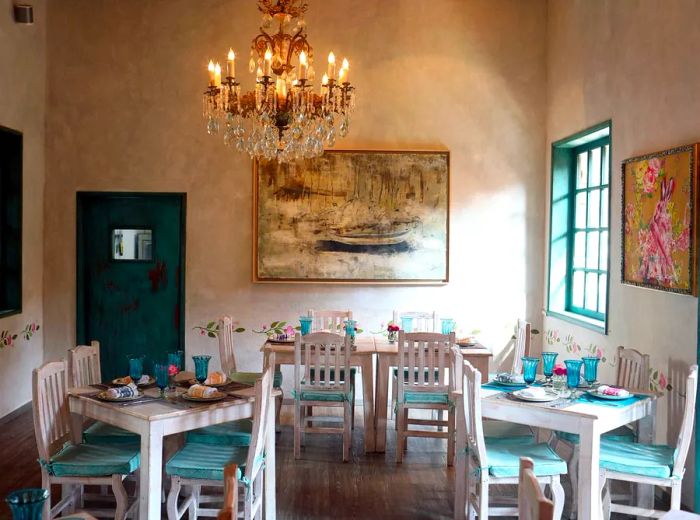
(262, 41)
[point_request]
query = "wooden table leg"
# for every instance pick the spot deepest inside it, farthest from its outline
(151, 472)
(646, 435)
(589, 471)
(76, 427)
(381, 401)
(270, 503)
(368, 403)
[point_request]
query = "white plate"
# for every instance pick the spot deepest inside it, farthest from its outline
(508, 383)
(105, 397)
(120, 381)
(609, 397)
(219, 385)
(216, 397)
(550, 396)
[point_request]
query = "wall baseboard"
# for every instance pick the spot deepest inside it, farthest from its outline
(15, 413)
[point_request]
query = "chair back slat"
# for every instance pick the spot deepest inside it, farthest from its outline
(521, 346)
(226, 353)
(50, 406)
(84, 365)
(326, 356)
(532, 504)
(329, 321)
(422, 356)
(686, 431)
(471, 400)
(261, 421)
(632, 369)
(422, 321)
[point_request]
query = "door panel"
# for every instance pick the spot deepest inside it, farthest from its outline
(130, 276)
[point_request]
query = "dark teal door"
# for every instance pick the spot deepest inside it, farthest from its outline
(131, 266)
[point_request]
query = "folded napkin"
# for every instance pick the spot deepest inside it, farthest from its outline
(507, 377)
(534, 391)
(201, 391)
(610, 390)
(215, 378)
(145, 379)
(120, 392)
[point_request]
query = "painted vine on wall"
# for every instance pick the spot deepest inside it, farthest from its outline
(211, 329)
(7, 338)
(658, 379)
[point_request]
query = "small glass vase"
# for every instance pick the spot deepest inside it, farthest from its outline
(392, 336)
(27, 504)
(559, 384)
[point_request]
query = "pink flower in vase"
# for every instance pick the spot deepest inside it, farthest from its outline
(202, 332)
(289, 331)
(172, 370)
(662, 381)
(559, 370)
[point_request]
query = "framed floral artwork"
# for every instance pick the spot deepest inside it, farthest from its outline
(659, 216)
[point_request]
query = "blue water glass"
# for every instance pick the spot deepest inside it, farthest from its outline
(305, 322)
(573, 372)
(530, 369)
(590, 369)
(177, 358)
(27, 504)
(135, 367)
(448, 325)
(162, 377)
(548, 360)
(407, 323)
(201, 367)
(350, 326)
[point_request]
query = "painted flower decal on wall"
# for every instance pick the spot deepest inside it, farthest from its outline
(7, 338)
(211, 329)
(658, 381)
(29, 330)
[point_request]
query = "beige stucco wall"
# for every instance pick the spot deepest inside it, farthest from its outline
(633, 62)
(125, 81)
(22, 107)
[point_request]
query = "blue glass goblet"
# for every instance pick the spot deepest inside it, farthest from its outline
(573, 372)
(548, 361)
(305, 325)
(590, 369)
(350, 326)
(162, 377)
(177, 358)
(407, 324)
(447, 325)
(201, 368)
(530, 369)
(27, 504)
(135, 367)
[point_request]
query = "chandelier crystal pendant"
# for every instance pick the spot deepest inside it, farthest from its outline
(288, 119)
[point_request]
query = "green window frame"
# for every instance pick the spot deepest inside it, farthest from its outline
(579, 248)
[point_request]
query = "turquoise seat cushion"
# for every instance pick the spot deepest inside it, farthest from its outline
(95, 460)
(249, 378)
(638, 459)
(425, 398)
(234, 433)
(328, 397)
(504, 459)
(200, 461)
(103, 433)
(415, 377)
(512, 433)
(322, 374)
(623, 433)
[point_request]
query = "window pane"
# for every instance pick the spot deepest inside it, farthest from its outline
(592, 250)
(604, 199)
(603, 251)
(582, 170)
(592, 291)
(594, 172)
(581, 210)
(602, 291)
(580, 249)
(605, 176)
(577, 292)
(593, 208)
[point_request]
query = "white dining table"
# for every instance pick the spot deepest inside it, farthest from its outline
(154, 419)
(587, 420)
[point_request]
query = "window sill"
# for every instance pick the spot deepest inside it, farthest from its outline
(582, 321)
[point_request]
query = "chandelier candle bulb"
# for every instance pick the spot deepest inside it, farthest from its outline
(268, 63)
(212, 74)
(231, 64)
(303, 65)
(346, 68)
(331, 65)
(217, 75)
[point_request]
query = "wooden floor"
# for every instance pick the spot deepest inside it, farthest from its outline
(320, 486)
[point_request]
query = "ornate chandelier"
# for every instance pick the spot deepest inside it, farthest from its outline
(288, 120)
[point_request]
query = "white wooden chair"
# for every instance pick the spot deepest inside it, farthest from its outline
(320, 360)
(228, 363)
(659, 465)
(480, 464)
(200, 465)
(532, 504)
(427, 355)
(74, 465)
(521, 345)
(633, 375)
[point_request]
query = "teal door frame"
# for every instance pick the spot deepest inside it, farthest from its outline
(81, 197)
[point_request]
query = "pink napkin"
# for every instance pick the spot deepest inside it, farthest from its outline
(610, 390)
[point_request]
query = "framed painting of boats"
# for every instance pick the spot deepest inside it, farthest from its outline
(373, 217)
